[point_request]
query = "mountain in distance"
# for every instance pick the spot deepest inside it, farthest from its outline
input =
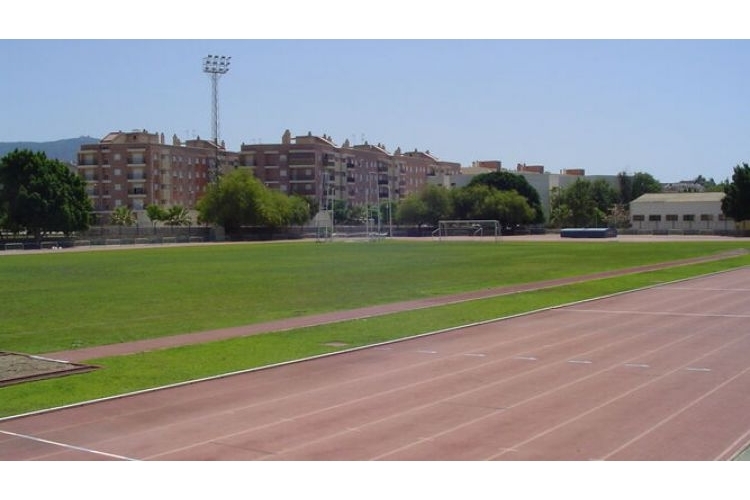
(64, 150)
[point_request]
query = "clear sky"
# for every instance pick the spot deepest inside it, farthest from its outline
(675, 108)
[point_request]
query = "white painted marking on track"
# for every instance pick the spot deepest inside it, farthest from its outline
(637, 365)
(68, 446)
(475, 354)
(693, 369)
(525, 358)
(580, 361)
(425, 351)
(655, 313)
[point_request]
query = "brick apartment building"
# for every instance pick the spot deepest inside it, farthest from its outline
(363, 174)
(137, 168)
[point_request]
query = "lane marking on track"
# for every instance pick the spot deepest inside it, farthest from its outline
(425, 351)
(475, 354)
(655, 313)
(68, 446)
(637, 365)
(697, 369)
(580, 361)
(525, 358)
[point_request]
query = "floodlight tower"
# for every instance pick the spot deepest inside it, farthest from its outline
(215, 66)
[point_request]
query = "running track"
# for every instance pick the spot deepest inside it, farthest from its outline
(658, 374)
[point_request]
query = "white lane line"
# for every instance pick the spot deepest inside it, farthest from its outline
(525, 358)
(637, 365)
(68, 446)
(475, 354)
(425, 351)
(694, 369)
(656, 313)
(580, 361)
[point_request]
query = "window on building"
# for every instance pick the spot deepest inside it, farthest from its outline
(654, 218)
(707, 217)
(118, 187)
(639, 218)
(118, 171)
(672, 217)
(688, 217)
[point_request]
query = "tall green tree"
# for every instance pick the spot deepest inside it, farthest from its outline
(481, 201)
(239, 199)
(643, 183)
(508, 181)
(233, 201)
(583, 204)
(736, 203)
(39, 195)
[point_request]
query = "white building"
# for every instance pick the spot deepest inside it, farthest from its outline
(687, 212)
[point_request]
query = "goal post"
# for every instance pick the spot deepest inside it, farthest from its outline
(468, 227)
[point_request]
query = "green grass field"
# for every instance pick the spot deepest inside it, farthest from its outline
(60, 300)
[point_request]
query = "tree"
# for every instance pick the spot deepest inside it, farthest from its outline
(437, 202)
(177, 216)
(481, 201)
(736, 203)
(507, 181)
(412, 210)
(235, 200)
(155, 214)
(240, 199)
(41, 195)
(584, 203)
(122, 216)
(300, 210)
(643, 183)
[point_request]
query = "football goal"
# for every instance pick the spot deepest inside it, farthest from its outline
(471, 227)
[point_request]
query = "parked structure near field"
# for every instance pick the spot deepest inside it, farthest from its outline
(686, 212)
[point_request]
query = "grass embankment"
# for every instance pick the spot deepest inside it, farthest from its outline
(140, 371)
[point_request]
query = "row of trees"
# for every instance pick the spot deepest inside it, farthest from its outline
(39, 195)
(501, 196)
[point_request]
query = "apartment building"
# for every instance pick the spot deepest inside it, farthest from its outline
(359, 174)
(135, 169)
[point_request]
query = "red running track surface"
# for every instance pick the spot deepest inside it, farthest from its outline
(657, 374)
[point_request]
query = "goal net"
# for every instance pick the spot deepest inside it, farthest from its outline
(475, 228)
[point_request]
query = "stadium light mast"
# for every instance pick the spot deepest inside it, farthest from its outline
(215, 66)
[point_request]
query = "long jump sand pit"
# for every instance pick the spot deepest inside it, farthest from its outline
(657, 374)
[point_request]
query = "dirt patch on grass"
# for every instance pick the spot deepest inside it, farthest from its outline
(16, 368)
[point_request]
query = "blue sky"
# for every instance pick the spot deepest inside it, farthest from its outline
(675, 108)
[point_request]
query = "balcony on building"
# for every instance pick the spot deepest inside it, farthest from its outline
(300, 159)
(137, 191)
(136, 159)
(136, 176)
